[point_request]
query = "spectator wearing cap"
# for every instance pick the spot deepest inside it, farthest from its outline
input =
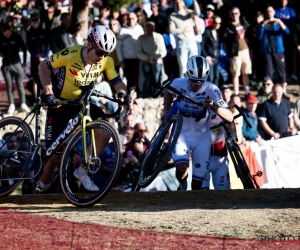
(226, 92)
(251, 134)
(208, 16)
(38, 43)
(211, 49)
(181, 24)
(276, 117)
(60, 36)
(234, 38)
(150, 49)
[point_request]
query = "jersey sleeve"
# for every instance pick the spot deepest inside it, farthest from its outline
(217, 97)
(58, 59)
(111, 72)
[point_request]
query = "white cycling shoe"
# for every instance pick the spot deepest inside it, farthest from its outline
(86, 181)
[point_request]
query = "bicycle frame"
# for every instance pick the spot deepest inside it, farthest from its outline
(82, 119)
(230, 138)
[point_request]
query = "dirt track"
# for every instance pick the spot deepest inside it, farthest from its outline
(237, 213)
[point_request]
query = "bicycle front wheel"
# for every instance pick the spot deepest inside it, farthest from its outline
(160, 150)
(240, 165)
(103, 163)
(15, 147)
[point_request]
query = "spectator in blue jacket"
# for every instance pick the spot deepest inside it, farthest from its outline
(251, 134)
(270, 32)
(288, 16)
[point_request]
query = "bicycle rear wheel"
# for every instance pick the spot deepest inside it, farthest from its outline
(240, 165)
(160, 150)
(103, 167)
(15, 146)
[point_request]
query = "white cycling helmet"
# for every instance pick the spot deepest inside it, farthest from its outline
(102, 38)
(198, 68)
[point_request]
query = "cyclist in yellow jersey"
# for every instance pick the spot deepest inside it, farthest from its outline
(61, 75)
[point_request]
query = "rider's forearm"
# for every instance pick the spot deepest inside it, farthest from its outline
(168, 98)
(45, 78)
(224, 113)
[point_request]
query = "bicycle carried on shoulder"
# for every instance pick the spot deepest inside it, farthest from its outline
(238, 160)
(158, 152)
(22, 161)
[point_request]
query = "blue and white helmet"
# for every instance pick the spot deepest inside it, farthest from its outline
(102, 38)
(198, 68)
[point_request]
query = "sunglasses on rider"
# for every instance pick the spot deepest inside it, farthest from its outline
(195, 81)
(101, 53)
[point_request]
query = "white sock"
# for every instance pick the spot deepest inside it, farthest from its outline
(247, 90)
(284, 90)
(44, 186)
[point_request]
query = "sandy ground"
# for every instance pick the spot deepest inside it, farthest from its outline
(248, 214)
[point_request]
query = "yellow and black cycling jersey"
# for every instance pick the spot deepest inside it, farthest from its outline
(68, 72)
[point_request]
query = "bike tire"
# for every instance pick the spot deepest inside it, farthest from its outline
(240, 165)
(12, 172)
(158, 152)
(71, 187)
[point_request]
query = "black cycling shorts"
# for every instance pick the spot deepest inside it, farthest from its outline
(58, 118)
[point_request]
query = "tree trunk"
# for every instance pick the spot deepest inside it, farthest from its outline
(79, 10)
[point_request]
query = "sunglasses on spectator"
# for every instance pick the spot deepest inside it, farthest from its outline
(101, 53)
(195, 81)
(34, 19)
(142, 130)
(217, 22)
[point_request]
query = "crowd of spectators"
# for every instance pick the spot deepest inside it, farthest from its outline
(249, 43)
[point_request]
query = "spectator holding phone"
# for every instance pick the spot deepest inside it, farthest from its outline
(140, 141)
(270, 33)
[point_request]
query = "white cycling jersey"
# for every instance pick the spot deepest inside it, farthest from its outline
(195, 137)
(191, 111)
(218, 167)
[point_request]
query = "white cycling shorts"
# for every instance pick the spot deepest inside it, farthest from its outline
(219, 172)
(198, 146)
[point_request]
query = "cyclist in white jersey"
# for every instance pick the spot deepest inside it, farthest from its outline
(218, 168)
(195, 137)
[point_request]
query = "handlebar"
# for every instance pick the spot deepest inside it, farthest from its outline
(88, 91)
(241, 113)
(166, 84)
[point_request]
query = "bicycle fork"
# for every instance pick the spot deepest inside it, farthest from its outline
(84, 121)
